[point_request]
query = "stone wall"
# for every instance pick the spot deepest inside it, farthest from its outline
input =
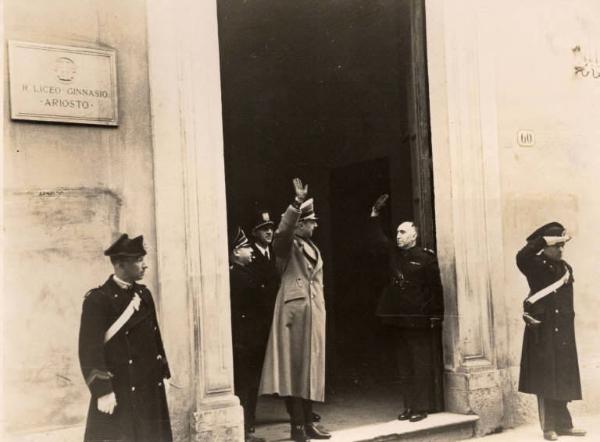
(537, 47)
(68, 190)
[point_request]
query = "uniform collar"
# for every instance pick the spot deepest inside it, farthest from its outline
(122, 284)
(261, 249)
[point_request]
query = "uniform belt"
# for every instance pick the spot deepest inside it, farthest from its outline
(547, 290)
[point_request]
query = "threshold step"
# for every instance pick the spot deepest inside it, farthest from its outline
(438, 427)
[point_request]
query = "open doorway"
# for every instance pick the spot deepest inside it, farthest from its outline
(333, 92)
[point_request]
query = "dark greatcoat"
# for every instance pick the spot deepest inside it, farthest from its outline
(549, 366)
(251, 316)
(132, 365)
(267, 277)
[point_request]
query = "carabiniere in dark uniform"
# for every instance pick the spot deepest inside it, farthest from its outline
(549, 367)
(132, 363)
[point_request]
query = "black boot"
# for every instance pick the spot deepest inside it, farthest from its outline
(298, 434)
(417, 416)
(405, 415)
(314, 432)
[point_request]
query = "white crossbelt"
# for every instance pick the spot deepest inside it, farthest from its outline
(133, 306)
(547, 290)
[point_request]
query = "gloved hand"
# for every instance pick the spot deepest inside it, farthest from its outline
(554, 240)
(378, 205)
(107, 403)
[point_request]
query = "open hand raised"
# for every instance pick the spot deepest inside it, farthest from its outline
(300, 189)
(380, 202)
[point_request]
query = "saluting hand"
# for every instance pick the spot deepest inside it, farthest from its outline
(300, 189)
(379, 204)
(107, 403)
(554, 240)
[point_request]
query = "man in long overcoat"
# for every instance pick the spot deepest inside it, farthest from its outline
(549, 367)
(294, 364)
(122, 356)
(412, 305)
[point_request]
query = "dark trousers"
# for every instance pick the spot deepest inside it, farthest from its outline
(300, 410)
(246, 375)
(554, 414)
(419, 360)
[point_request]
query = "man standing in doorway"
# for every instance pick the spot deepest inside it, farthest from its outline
(412, 305)
(121, 354)
(294, 364)
(250, 329)
(263, 265)
(549, 367)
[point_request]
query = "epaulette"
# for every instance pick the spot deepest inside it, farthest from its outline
(91, 291)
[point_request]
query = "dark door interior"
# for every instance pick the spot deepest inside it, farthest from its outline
(318, 90)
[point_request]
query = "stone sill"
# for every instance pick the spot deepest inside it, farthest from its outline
(436, 427)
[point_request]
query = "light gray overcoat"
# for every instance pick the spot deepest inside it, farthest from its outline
(295, 357)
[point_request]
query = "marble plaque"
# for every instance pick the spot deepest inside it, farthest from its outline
(62, 84)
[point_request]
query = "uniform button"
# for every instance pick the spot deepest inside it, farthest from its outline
(159, 357)
(262, 286)
(132, 388)
(160, 384)
(155, 328)
(556, 310)
(116, 296)
(127, 332)
(130, 361)
(556, 329)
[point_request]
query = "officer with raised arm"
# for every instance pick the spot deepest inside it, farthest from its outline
(412, 305)
(549, 367)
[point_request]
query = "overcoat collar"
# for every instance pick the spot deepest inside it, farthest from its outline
(120, 299)
(301, 242)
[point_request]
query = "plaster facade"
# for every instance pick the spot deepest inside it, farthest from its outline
(494, 68)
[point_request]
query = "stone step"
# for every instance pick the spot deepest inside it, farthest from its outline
(438, 427)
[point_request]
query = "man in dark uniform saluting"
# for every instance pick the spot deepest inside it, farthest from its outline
(412, 305)
(121, 354)
(549, 367)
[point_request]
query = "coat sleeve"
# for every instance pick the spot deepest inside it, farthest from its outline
(436, 300)
(528, 260)
(91, 345)
(284, 235)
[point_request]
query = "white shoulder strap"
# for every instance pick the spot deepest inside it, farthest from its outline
(133, 306)
(551, 288)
